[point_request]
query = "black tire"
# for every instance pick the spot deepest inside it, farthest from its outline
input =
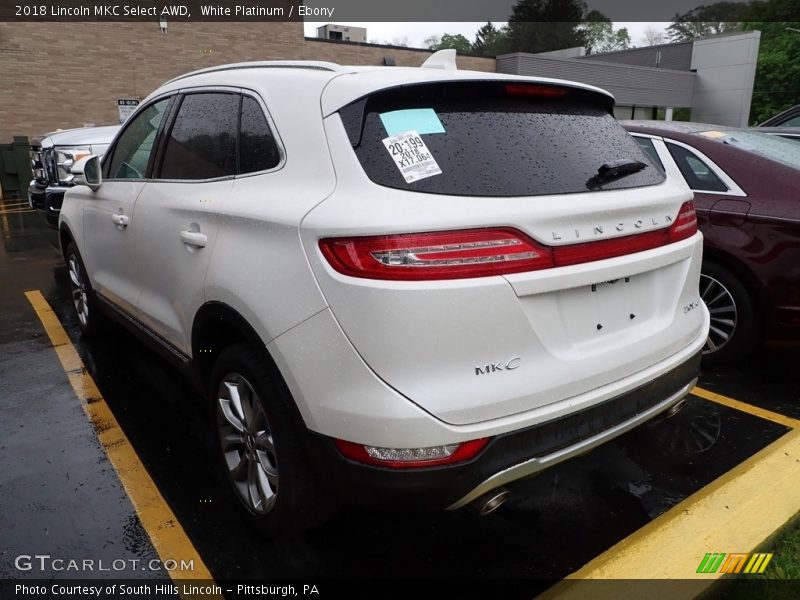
(273, 453)
(90, 319)
(735, 327)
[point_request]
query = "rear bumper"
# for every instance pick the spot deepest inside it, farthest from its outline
(508, 457)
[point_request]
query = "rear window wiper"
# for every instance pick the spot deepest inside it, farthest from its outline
(614, 170)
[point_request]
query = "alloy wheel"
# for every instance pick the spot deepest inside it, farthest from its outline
(247, 444)
(722, 308)
(79, 296)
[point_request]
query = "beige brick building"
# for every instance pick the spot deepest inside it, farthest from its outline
(60, 75)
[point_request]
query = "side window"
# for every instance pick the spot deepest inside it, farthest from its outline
(202, 143)
(698, 174)
(647, 145)
(132, 150)
(257, 148)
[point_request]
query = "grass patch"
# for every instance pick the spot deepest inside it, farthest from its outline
(780, 580)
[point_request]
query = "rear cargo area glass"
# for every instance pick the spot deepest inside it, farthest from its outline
(495, 143)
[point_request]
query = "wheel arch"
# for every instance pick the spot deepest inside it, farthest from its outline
(217, 326)
(65, 236)
(741, 270)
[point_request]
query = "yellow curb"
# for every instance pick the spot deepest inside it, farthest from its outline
(735, 513)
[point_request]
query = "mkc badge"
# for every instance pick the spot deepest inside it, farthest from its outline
(509, 365)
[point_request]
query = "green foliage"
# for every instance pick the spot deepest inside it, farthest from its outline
(703, 21)
(601, 35)
(490, 41)
(544, 25)
(777, 82)
(455, 41)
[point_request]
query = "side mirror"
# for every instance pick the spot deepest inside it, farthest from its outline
(87, 172)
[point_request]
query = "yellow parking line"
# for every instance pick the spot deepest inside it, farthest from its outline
(164, 529)
(14, 211)
(748, 408)
(737, 512)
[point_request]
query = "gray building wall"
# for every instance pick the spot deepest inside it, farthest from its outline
(664, 56)
(631, 85)
(726, 69)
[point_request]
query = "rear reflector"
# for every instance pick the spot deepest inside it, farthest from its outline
(409, 458)
(483, 252)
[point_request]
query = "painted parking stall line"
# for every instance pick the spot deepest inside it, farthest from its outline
(741, 509)
(165, 531)
(744, 407)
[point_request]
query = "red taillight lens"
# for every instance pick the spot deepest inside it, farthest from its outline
(483, 252)
(411, 458)
(447, 255)
(685, 226)
(542, 91)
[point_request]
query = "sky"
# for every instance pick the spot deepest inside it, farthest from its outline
(414, 34)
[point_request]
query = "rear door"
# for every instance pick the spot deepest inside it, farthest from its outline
(217, 134)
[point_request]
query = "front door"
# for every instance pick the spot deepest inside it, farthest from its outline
(109, 218)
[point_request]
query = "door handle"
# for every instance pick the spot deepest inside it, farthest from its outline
(120, 220)
(194, 239)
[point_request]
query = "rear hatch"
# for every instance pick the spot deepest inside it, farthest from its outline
(480, 263)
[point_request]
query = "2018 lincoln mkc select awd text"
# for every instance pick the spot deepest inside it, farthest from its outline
(396, 286)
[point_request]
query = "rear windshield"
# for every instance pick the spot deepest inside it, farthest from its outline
(491, 139)
(771, 146)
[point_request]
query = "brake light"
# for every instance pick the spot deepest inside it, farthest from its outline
(409, 458)
(542, 91)
(483, 252)
(445, 255)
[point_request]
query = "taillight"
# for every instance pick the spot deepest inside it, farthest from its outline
(446, 255)
(685, 226)
(409, 458)
(483, 252)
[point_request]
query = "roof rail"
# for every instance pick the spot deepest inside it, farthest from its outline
(317, 65)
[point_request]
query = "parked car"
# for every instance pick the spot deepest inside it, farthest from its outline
(788, 118)
(790, 133)
(52, 157)
(747, 194)
(401, 287)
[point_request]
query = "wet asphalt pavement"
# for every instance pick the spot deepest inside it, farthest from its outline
(60, 495)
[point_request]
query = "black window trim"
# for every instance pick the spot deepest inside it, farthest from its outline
(734, 189)
(108, 156)
(273, 129)
(155, 174)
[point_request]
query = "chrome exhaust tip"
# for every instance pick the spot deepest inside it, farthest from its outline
(490, 501)
(676, 408)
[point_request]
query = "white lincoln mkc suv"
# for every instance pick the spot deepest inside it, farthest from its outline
(402, 287)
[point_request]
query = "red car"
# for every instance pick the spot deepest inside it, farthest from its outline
(747, 193)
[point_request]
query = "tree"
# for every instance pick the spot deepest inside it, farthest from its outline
(703, 21)
(652, 37)
(432, 42)
(457, 42)
(544, 25)
(777, 81)
(490, 41)
(601, 35)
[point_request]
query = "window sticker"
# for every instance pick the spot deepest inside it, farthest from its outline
(421, 120)
(411, 156)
